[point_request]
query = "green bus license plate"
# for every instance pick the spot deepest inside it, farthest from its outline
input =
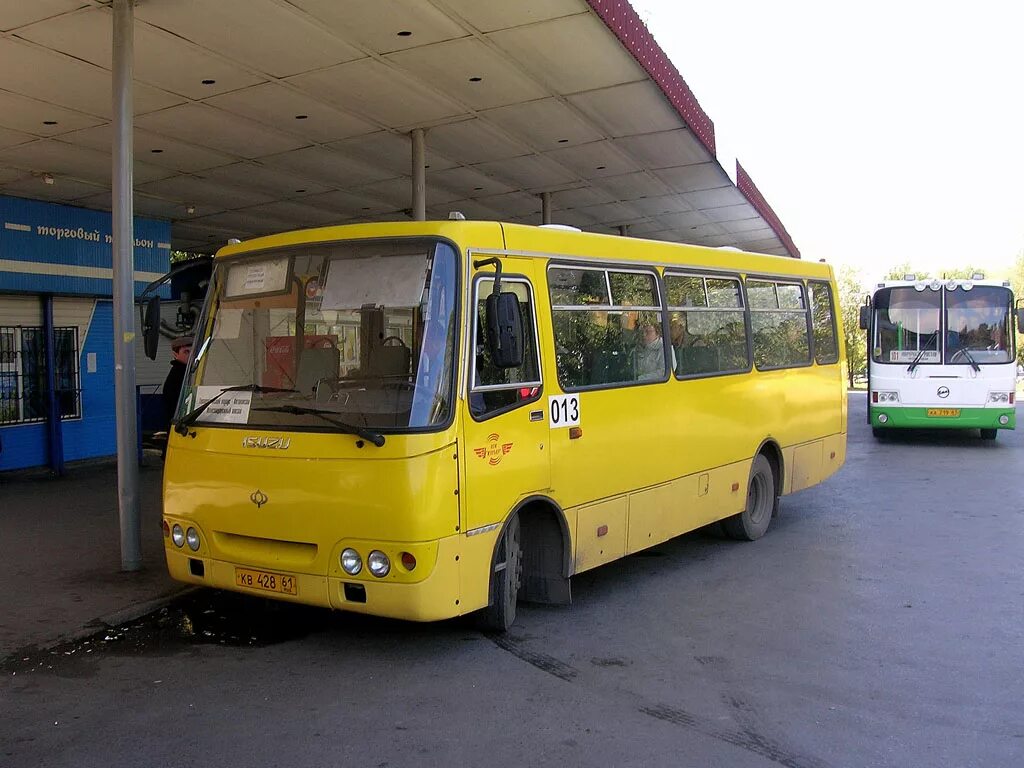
(268, 582)
(944, 412)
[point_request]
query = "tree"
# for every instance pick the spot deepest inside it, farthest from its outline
(851, 297)
(1017, 284)
(900, 271)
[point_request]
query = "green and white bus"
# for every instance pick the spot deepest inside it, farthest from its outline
(941, 354)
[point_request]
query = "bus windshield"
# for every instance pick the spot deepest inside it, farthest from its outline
(907, 326)
(976, 325)
(357, 333)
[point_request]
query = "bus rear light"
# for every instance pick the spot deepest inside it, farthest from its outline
(408, 561)
(166, 528)
(885, 397)
(1000, 397)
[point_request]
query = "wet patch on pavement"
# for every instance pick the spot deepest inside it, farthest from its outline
(207, 617)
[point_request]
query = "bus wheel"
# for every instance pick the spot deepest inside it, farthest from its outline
(505, 580)
(878, 432)
(752, 522)
(989, 434)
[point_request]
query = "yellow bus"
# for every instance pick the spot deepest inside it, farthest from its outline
(427, 419)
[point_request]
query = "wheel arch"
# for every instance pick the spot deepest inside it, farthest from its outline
(546, 550)
(770, 449)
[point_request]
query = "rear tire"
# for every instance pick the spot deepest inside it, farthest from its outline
(989, 434)
(762, 499)
(500, 614)
(879, 433)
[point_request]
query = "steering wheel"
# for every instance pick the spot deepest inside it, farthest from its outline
(401, 343)
(960, 353)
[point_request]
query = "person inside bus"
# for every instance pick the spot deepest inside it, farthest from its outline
(649, 355)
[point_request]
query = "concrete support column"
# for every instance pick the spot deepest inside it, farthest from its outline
(419, 175)
(545, 207)
(124, 287)
(623, 230)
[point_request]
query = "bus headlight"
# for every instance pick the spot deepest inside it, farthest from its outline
(378, 564)
(192, 539)
(886, 397)
(351, 562)
(999, 397)
(177, 535)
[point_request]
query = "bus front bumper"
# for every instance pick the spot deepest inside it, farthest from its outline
(431, 599)
(902, 417)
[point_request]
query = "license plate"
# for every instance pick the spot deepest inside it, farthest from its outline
(268, 582)
(944, 412)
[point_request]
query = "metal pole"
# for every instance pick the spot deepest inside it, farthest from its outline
(545, 207)
(623, 230)
(419, 175)
(54, 427)
(124, 289)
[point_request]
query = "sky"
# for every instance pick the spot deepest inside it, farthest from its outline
(881, 133)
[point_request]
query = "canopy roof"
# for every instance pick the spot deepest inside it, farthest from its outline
(255, 116)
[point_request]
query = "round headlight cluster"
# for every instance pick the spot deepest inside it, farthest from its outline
(351, 562)
(377, 562)
(181, 537)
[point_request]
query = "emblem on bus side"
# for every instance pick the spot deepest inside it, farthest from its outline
(259, 498)
(943, 392)
(494, 450)
(281, 443)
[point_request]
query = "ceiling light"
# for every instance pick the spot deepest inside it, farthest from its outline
(563, 141)
(209, 82)
(49, 122)
(475, 79)
(299, 191)
(302, 117)
(156, 151)
(47, 178)
(405, 33)
(601, 167)
(190, 209)
(478, 189)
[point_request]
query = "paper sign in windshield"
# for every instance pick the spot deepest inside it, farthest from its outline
(381, 281)
(258, 277)
(910, 355)
(228, 408)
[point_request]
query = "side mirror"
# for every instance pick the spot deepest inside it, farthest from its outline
(151, 327)
(504, 330)
(1020, 319)
(865, 316)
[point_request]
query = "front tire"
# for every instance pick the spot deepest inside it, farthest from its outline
(989, 434)
(762, 498)
(500, 614)
(879, 433)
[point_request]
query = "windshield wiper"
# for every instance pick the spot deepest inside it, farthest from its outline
(181, 425)
(970, 359)
(351, 429)
(920, 353)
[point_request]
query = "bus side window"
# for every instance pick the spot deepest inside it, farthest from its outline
(494, 390)
(826, 351)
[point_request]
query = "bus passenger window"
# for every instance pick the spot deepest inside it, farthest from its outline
(778, 321)
(497, 389)
(707, 327)
(826, 351)
(607, 326)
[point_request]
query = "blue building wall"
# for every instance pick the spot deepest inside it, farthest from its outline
(66, 251)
